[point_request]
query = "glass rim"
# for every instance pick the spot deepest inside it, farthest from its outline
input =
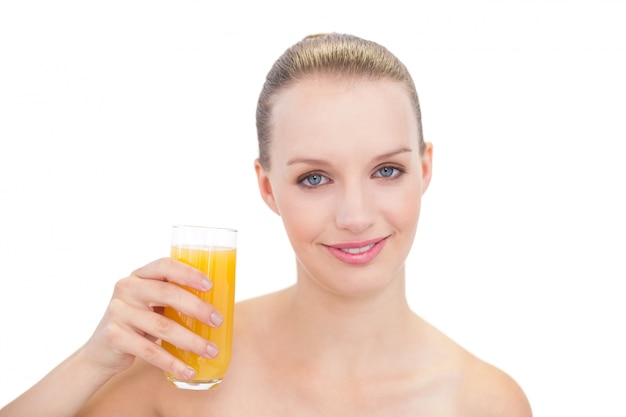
(191, 226)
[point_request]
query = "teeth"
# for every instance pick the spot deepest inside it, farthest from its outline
(358, 250)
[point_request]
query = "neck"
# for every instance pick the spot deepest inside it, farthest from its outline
(349, 330)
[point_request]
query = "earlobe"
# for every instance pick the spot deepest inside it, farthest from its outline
(427, 166)
(265, 187)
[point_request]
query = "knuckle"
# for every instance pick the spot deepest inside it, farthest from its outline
(155, 355)
(113, 335)
(151, 353)
(162, 324)
(173, 366)
(117, 306)
(121, 286)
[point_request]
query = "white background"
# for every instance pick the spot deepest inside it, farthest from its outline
(121, 118)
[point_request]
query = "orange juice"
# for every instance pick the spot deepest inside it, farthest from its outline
(219, 265)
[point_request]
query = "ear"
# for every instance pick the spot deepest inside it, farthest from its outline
(427, 166)
(265, 187)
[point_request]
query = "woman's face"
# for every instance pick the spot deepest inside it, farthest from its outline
(347, 178)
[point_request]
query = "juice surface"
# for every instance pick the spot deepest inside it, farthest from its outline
(219, 265)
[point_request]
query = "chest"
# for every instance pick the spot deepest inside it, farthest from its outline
(260, 394)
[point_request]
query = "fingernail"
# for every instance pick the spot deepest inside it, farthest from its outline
(212, 350)
(206, 285)
(189, 372)
(216, 318)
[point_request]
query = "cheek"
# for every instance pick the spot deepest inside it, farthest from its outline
(304, 218)
(405, 209)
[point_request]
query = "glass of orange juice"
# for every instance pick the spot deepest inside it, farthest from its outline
(213, 251)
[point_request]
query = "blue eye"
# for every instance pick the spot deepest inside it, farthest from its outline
(388, 172)
(313, 180)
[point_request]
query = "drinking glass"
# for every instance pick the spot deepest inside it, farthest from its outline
(213, 251)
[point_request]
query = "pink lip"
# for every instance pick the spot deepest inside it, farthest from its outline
(357, 253)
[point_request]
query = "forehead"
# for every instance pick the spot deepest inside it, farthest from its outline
(327, 88)
(332, 116)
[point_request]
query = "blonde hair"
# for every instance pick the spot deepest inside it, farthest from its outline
(334, 54)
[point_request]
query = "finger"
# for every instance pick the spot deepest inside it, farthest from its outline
(153, 295)
(161, 327)
(168, 269)
(154, 354)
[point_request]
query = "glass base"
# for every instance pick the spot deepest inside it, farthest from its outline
(194, 385)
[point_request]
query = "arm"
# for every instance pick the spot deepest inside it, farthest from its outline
(128, 330)
(60, 393)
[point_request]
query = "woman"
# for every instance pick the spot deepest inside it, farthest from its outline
(343, 162)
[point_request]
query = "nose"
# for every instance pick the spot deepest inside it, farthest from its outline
(354, 209)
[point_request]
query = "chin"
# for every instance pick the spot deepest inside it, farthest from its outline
(355, 284)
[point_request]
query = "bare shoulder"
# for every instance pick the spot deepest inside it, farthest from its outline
(491, 391)
(475, 387)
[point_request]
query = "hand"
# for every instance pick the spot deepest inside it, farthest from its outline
(134, 321)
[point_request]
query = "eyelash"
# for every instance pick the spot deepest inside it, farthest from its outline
(399, 172)
(302, 180)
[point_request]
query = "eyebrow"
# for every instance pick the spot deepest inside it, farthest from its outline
(313, 161)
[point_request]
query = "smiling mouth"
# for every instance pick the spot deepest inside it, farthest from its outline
(358, 253)
(358, 250)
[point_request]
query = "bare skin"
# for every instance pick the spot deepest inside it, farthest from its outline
(347, 178)
(276, 376)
